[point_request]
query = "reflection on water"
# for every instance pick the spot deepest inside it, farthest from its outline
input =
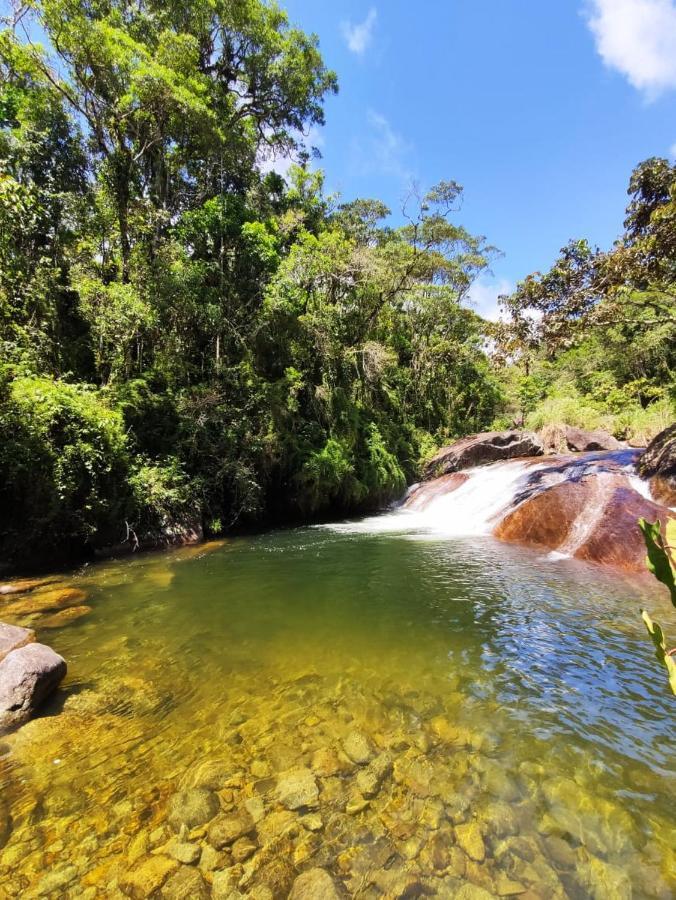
(414, 717)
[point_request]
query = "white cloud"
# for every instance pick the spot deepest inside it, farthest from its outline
(672, 151)
(382, 151)
(484, 293)
(280, 163)
(359, 36)
(638, 39)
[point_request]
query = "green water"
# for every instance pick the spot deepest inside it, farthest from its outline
(506, 699)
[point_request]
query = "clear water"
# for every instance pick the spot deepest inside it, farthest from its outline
(516, 698)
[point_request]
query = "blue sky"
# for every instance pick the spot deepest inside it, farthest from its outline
(539, 109)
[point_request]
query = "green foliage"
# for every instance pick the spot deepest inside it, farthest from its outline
(64, 465)
(660, 562)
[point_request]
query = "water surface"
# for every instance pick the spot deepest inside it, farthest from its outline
(513, 703)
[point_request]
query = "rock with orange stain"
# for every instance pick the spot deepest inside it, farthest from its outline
(64, 617)
(421, 495)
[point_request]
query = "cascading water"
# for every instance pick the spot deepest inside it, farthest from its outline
(580, 491)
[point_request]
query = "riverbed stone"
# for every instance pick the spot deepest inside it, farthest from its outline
(357, 746)
(147, 876)
(370, 779)
(325, 762)
(227, 828)
(63, 617)
(186, 883)
(469, 837)
(315, 884)
(28, 676)
(184, 852)
(479, 449)
(242, 849)
(12, 637)
(297, 789)
(192, 808)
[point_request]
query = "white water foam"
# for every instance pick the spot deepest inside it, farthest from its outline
(469, 510)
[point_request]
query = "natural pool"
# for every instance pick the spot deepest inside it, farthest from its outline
(415, 716)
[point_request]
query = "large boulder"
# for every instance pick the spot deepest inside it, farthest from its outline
(479, 449)
(581, 441)
(28, 675)
(659, 457)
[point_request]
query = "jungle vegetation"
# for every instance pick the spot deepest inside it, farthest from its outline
(189, 338)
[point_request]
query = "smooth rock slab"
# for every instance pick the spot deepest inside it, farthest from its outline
(12, 638)
(315, 884)
(28, 676)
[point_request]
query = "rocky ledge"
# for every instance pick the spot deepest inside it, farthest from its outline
(29, 673)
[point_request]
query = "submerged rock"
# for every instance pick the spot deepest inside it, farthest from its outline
(315, 884)
(297, 789)
(28, 676)
(147, 876)
(186, 883)
(226, 829)
(479, 449)
(192, 808)
(358, 747)
(469, 838)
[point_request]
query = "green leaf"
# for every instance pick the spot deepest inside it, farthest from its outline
(658, 560)
(661, 652)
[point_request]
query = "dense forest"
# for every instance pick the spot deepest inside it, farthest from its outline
(191, 340)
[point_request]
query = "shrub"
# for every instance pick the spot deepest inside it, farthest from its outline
(63, 467)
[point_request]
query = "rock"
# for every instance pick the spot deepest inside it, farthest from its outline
(185, 884)
(470, 840)
(193, 807)
(64, 617)
(224, 885)
(184, 852)
(370, 779)
(355, 805)
(473, 892)
(315, 884)
(507, 887)
(12, 637)
(325, 762)
(226, 829)
(297, 789)
(28, 676)
(24, 585)
(242, 849)
(605, 881)
(479, 449)
(312, 822)
(5, 822)
(586, 441)
(358, 747)
(147, 876)
(659, 457)
(663, 490)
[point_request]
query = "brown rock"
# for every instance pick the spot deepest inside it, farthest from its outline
(64, 617)
(297, 789)
(12, 637)
(663, 490)
(147, 876)
(659, 457)
(24, 585)
(421, 495)
(586, 441)
(479, 449)
(226, 829)
(185, 884)
(315, 884)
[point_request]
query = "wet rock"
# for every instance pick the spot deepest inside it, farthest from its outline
(659, 457)
(370, 779)
(192, 808)
(507, 887)
(312, 822)
(479, 449)
(325, 762)
(358, 748)
(277, 875)
(242, 849)
(211, 859)
(473, 892)
(274, 825)
(12, 637)
(355, 805)
(185, 884)
(315, 884)
(64, 617)
(184, 852)
(470, 839)
(297, 789)
(57, 880)
(27, 677)
(138, 847)
(500, 818)
(211, 774)
(256, 808)
(224, 885)
(23, 586)
(147, 876)
(605, 881)
(586, 441)
(226, 829)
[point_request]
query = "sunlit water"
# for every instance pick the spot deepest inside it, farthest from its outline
(526, 720)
